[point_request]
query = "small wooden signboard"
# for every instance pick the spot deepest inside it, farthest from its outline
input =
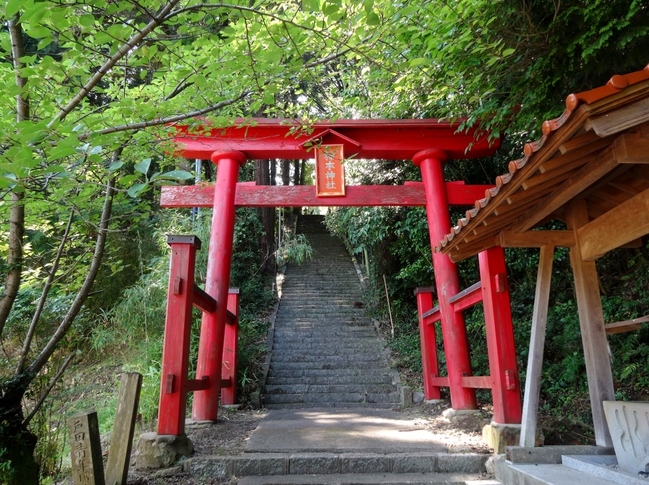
(85, 448)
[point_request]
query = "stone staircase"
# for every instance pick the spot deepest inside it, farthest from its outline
(325, 350)
(328, 388)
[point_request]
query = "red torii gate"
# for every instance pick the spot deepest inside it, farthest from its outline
(429, 144)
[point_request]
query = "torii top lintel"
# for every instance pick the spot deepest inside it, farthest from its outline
(260, 138)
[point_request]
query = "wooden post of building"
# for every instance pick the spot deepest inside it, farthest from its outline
(591, 322)
(85, 449)
(121, 441)
(537, 344)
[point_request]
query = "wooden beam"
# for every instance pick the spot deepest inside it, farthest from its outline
(536, 239)
(537, 344)
(621, 119)
(251, 195)
(621, 225)
(591, 322)
(572, 187)
(439, 381)
(632, 148)
(202, 300)
(477, 382)
(626, 325)
(467, 297)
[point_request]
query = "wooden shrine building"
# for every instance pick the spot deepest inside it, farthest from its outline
(589, 170)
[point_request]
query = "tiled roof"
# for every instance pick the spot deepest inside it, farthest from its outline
(568, 144)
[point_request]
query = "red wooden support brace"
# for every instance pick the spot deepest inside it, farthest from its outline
(503, 369)
(230, 346)
(175, 353)
(428, 342)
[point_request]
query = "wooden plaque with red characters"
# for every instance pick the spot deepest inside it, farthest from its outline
(330, 173)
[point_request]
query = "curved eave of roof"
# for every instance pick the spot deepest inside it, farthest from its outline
(615, 85)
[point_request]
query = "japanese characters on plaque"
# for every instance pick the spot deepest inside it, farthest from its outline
(330, 173)
(85, 448)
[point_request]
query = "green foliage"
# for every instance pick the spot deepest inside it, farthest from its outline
(295, 248)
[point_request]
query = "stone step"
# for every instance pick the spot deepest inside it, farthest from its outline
(329, 388)
(337, 366)
(347, 331)
(297, 371)
(333, 397)
(451, 467)
(363, 479)
(297, 347)
(326, 324)
(324, 339)
(332, 405)
(324, 380)
(302, 355)
(348, 345)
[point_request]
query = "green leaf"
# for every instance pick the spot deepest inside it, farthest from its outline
(61, 151)
(136, 189)
(311, 5)
(114, 166)
(13, 7)
(143, 166)
(508, 52)
(419, 61)
(174, 175)
(373, 19)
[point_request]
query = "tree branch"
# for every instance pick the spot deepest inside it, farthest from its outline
(41, 302)
(163, 121)
(17, 211)
(83, 292)
(50, 386)
(108, 65)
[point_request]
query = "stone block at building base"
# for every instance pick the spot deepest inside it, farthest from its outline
(161, 451)
(500, 436)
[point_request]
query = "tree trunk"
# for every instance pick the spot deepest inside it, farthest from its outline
(17, 443)
(286, 172)
(267, 239)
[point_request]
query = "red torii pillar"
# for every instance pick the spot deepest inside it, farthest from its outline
(456, 344)
(210, 350)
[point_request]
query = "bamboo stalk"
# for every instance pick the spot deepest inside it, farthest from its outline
(387, 297)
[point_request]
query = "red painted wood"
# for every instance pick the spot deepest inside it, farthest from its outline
(439, 381)
(175, 353)
(382, 139)
(250, 195)
(500, 337)
(193, 385)
(428, 344)
(432, 316)
(467, 298)
(456, 346)
(203, 301)
(477, 382)
(230, 351)
(210, 350)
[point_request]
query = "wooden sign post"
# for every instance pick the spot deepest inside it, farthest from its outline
(121, 441)
(85, 448)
